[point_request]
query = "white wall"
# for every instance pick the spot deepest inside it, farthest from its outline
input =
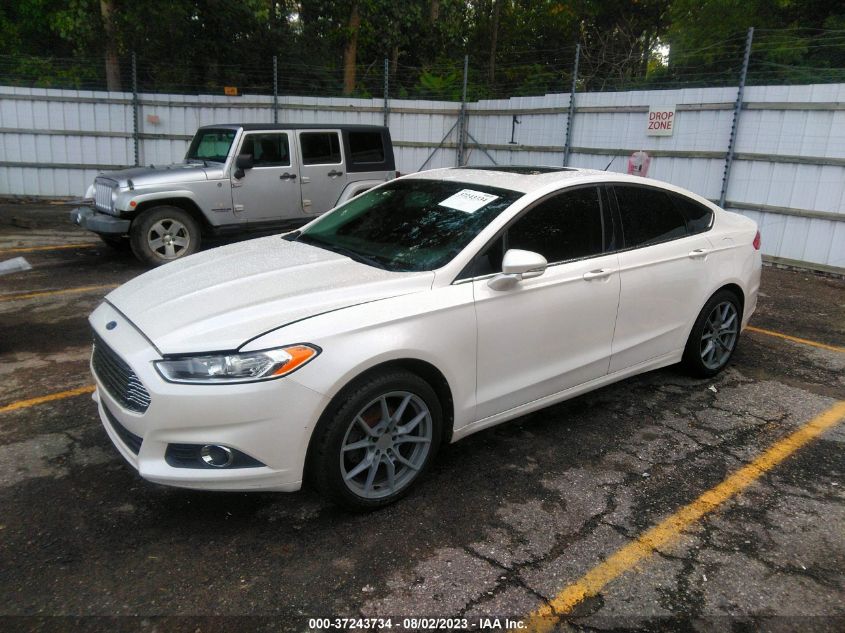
(790, 147)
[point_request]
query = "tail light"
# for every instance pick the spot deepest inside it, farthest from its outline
(756, 241)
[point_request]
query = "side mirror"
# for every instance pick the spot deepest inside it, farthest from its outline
(242, 163)
(516, 266)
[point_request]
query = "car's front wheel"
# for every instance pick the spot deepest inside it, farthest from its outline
(714, 336)
(376, 440)
(162, 234)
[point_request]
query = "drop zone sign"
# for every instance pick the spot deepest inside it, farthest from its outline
(661, 120)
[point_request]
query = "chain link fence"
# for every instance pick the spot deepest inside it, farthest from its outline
(777, 56)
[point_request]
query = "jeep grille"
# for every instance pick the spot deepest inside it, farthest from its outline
(102, 195)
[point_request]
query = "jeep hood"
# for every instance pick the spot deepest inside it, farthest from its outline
(219, 299)
(164, 174)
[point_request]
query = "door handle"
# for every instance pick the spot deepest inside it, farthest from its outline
(698, 253)
(601, 273)
(287, 176)
(236, 184)
(334, 173)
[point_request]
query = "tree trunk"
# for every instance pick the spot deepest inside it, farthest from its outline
(433, 11)
(350, 54)
(112, 64)
(394, 63)
(494, 36)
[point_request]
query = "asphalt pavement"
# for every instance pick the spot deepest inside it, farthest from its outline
(576, 517)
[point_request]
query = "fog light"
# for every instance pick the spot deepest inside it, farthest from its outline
(217, 456)
(207, 456)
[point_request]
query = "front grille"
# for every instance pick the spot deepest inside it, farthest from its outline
(102, 195)
(132, 441)
(118, 378)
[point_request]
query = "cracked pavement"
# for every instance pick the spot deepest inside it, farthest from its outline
(505, 520)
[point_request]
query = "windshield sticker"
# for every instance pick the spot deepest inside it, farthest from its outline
(468, 201)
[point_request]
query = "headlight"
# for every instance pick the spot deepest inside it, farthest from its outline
(234, 368)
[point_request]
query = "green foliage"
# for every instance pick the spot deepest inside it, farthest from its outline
(446, 86)
(203, 45)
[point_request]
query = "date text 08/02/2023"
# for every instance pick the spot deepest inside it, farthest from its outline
(416, 624)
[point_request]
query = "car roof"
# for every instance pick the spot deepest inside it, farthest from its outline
(531, 178)
(249, 127)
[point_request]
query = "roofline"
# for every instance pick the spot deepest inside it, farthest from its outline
(293, 126)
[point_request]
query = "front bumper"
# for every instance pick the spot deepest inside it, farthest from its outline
(269, 421)
(102, 223)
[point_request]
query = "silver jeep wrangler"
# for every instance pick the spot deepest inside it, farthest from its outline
(247, 177)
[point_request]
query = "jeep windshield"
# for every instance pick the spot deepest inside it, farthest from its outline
(210, 146)
(409, 225)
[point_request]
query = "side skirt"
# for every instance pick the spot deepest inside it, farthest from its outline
(555, 398)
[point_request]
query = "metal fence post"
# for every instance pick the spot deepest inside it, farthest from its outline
(462, 126)
(729, 157)
(567, 147)
(275, 89)
(386, 92)
(136, 105)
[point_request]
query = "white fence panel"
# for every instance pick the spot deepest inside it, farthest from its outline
(788, 173)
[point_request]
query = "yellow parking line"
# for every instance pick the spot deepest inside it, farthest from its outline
(50, 293)
(61, 395)
(795, 339)
(627, 558)
(31, 249)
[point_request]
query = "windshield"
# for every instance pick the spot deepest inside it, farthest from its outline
(211, 145)
(409, 225)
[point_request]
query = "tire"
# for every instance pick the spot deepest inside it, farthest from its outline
(164, 234)
(120, 244)
(714, 336)
(356, 417)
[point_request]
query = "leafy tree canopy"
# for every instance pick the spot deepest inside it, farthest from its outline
(328, 47)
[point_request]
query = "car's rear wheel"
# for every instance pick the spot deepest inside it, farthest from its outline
(376, 440)
(163, 234)
(715, 335)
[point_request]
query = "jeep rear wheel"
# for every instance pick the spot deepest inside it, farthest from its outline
(163, 234)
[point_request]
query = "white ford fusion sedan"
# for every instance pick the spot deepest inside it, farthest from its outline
(436, 305)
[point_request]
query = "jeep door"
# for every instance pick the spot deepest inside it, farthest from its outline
(322, 171)
(269, 191)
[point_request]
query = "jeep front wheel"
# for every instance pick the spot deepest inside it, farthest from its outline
(163, 234)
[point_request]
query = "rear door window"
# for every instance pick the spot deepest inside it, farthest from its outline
(320, 148)
(366, 147)
(648, 216)
(699, 218)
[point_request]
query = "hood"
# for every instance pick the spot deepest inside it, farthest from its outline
(219, 299)
(152, 175)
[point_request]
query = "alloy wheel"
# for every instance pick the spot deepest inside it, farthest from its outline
(386, 445)
(719, 336)
(168, 238)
